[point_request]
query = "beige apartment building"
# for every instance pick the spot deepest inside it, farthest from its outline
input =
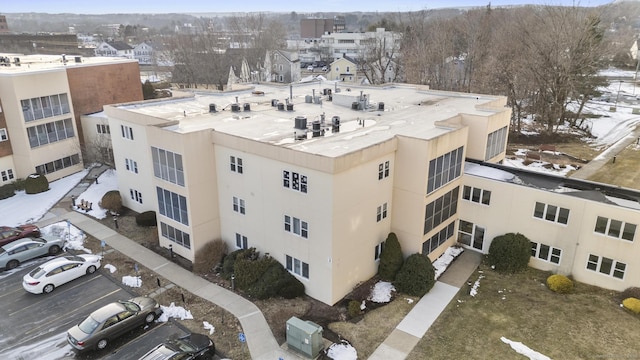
(316, 175)
(42, 98)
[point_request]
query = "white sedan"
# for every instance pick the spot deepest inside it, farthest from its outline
(58, 271)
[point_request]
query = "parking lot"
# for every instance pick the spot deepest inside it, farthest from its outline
(35, 326)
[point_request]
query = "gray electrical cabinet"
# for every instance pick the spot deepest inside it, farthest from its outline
(304, 337)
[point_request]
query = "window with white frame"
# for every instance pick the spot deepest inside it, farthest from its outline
(45, 106)
(7, 174)
(58, 164)
(167, 166)
(236, 164)
(177, 236)
(4, 136)
(438, 239)
(615, 228)
(476, 195)
(297, 267)
(296, 226)
(546, 252)
(241, 241)
(294, 181)
(470, 234)
(103, 129)
(383, 170)
(382, 212)
(131, 165)
(50, 132)
(378, 251)
(551, 213)
(172, 205)
(444, 169)
(136, 195)
(606, 266)
(441, 209)
(496, 142)
(127, 132)
(238, 205)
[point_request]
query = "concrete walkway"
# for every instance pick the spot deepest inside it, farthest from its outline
(412, 328)
(606, 156)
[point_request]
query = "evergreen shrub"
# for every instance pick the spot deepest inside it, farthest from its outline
(560, 284)
(510, 253)
(416, 277)
(147, 218)
(36, 183)
(391, 258)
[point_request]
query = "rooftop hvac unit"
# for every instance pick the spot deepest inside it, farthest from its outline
(78, 59)
(289, 107)
(315, 126)
(300, 122)
(274, 102)
(304, 337)
(280, 106)
(308, 99)
(235, 107)
(212, 108)
(246, 107)
(381, 106)
(335, 124)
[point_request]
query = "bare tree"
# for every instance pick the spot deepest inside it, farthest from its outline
(379, 57)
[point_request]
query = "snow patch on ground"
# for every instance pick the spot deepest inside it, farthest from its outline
(441, 263)
(520, 348)
(474, 289)
(342, 351)
(132, 281)
(173, 311)
(65, 230)
(381, 292)
(106, 182)
(209, 327)
(111, 268)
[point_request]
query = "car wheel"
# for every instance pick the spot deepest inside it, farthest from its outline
(12, 264)
(54, 250)
(102, 344)
(149, 318)
(48, 288)
(91, 269)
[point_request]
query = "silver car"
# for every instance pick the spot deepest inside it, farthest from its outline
(97, 330)
(19, 251)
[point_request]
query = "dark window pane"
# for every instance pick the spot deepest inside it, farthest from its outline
(539, 210)
(629, 231)
(601, 225)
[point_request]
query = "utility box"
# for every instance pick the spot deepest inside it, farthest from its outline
(304, 336)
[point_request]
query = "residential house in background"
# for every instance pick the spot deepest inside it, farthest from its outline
(115, 49)
(144, 53)
(634, 49)
(344, 69)
(285, 67)
(40, 125)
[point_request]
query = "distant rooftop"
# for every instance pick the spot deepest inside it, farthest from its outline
(387, 111)
(19, 63)
(605, 193)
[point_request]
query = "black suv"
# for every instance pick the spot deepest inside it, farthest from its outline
(189, 347)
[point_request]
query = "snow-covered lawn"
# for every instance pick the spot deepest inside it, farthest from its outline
(106, 182)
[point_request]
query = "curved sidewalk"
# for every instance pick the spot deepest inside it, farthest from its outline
(260, 340)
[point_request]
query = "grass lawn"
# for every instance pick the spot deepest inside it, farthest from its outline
(588, 324)
(624, 172)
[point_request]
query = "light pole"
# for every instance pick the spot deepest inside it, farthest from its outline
(618, 96)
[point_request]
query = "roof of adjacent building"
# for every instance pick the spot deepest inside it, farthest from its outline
(119, 45)
(392, 110)
(34, 63)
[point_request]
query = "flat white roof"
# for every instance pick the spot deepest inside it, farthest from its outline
(34, 63)
(408, 110)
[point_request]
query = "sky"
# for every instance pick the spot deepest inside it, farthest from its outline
(201, 6)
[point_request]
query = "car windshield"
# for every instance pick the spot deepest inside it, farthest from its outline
(74, 258)
(37, 273)
(180, 345)
(131, 306)
(2, 251)
(88, 325)
(40, 240)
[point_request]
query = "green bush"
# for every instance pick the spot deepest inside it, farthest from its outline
(209, 256)
(7, 191)
(560, 284)
(276, 281)
(416, 277)
(112, 201)
(391, 258)
(248, 271)
(290, 287)
(510, 253)
(632, 304)
(229, 260)
(36, 183)
(147, 218)
(353, 309)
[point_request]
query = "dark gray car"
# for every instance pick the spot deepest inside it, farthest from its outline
(190, 347)
(111, 321)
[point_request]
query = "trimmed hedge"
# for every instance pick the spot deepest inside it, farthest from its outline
(7, 191)
(112, 201)
(560, 284)
(36, 183)
(416, 277)
(391, 258)
(230, 260)
(147, 218)
(510, 253)
(632, 304)
(276, 281)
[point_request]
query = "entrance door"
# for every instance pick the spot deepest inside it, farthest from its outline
(470, 235)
